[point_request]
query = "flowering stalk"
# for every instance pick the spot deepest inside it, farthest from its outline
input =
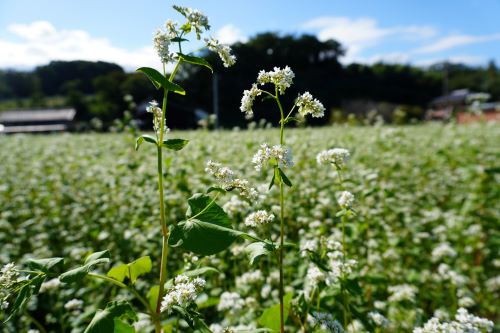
(279, 156)
(164, 227)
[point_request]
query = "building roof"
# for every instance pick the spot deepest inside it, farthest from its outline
(18, 116)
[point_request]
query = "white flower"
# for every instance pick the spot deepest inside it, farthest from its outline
(231, 301)
(281, 154)
(184, 291)
(248, 99)
(281, 78)
(402, 292)
(50, 285)
(252, 277)
(307, 104)
(157, 115)
(378, 319)
(8, 275)
(463, 323)
(227, 178)
(224, 51)
(443, 250)
(258, 218)
(196, 20)
(346, 199)
(336, 156)
(235, 206)
(162, 40)
(74, 305)
(326, 322)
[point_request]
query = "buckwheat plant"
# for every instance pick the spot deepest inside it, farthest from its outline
(169, 298)
(277, 158)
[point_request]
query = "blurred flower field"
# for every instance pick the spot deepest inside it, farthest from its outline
(425, 240)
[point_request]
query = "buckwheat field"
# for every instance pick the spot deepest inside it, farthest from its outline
(284, 229)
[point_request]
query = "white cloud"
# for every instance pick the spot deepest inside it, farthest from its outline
(358, 34)
(40, 42)
(449, 42)
(230, 34)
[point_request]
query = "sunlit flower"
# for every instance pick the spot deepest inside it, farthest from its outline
(307, 104)
(336, 156)
(248, 99)
(280, 154)
(281, 78)
(259, 218)
(184, 291)
(224, 51)
(196, 20)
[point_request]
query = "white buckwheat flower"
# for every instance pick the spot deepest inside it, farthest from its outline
(307, 104)
(281, 154)
(378, 319)
(162, 40)
(156, 111)
(196, 19)
(402, 292)
(228, 180)
(224, 51)
(463, 323)
(258, 218)
(281, 78)
(346, 199)
(74, 305)
(336, 156)
(184, 291)
(326, 322)
(248, 99)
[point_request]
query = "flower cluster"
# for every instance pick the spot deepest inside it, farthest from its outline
(228, 180)
(378, 319)
(8, 278)
(281, 78)
(184, 291)
(196, 20)
(248, 99)
(402, 292)
(464, 322)
(307, 104)
(157, 113)
(259, 218)
(280, 154)
(74, 305)
(326, 322)
(335, 156)
(346, 199)
(162, 40)
(223, 51)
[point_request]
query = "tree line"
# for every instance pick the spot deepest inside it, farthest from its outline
(97, 89)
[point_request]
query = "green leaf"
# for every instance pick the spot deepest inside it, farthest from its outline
(174, 144)
(270, 318)
(152, 296)
(45, 265)
(159, 80)
(154, 76)
(196, 61)
(79, 273)
(257, 250)
(104, 320)
(216, 189)
(271, 184)
(139, 267)
(96, 256)
(122, 327)
(207, 229)
(178, 39)
(28, 289)
(132, 270)
(142, 138)
(284, 178)
(119, 272)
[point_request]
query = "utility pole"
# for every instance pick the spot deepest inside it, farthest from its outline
(215, 98)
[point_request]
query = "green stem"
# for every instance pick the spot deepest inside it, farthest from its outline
(38, 325)
(124, 286)
(164, 228)
(282, 220)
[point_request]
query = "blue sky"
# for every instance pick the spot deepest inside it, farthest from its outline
(33, 32)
